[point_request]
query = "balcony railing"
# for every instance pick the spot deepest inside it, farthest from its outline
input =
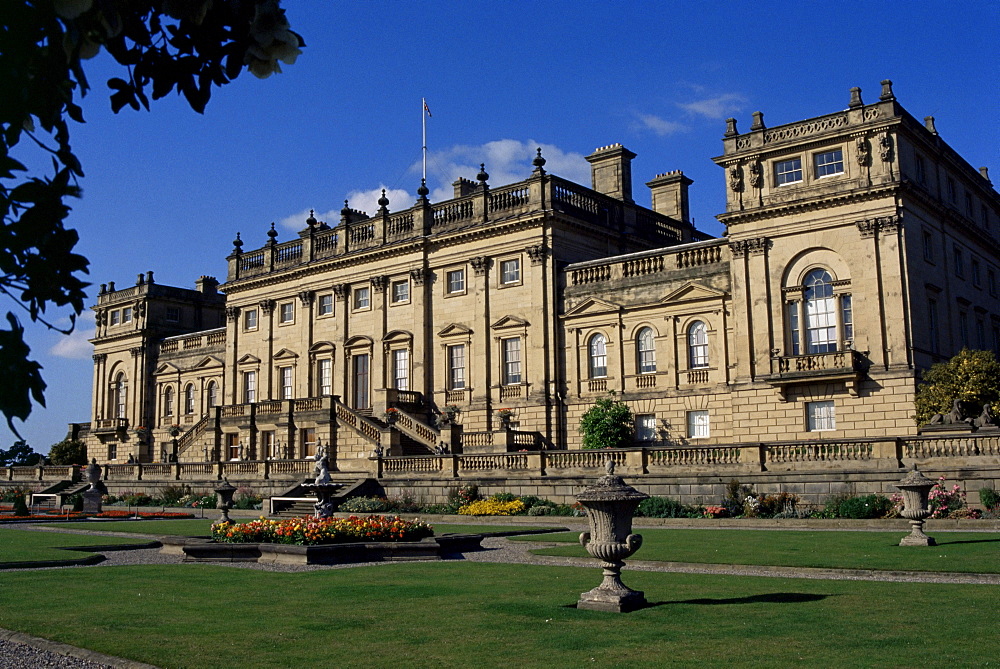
(841, 364)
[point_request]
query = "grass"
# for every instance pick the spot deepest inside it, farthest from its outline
(25, 545)
(956, 551)
(199, 527)
(457, 614)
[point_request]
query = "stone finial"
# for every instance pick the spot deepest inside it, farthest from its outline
(422, 191)
(985, 173)
(929, 124)
(482, 177)
(887, 93)
(272, 235)
(731, 128)
(855, 98)
(237, 244)
(758, 121)
(311, 221)
(346, 211)
(383, 203)
(539, 162)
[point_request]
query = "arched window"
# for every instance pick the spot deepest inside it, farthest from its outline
(120, 392)
(822, 318)
(697, 345)
(213, 394)
(189, 399)
(168, 401)
(598, 356)
(645, 351)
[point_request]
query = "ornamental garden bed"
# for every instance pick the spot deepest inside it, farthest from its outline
(321, 541)
(54, 515)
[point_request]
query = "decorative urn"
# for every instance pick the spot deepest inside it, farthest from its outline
(225, 491)
(916, 487)
(610, 505)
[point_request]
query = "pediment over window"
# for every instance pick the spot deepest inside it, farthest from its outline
(167, 368)
(248, 360)
(508, 322)
(359, 342)
(397, 336)
(593, 305)
(285, 354)
(693, 292)
(454, 330)
(322, 347)
(209, 361)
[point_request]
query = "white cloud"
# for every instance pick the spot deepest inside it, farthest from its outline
(507, 161)
(297, 222)
(660, 126)
(367, 200)
(75, 345)
(718, 107)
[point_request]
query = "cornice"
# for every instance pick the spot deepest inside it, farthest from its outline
(811, 204)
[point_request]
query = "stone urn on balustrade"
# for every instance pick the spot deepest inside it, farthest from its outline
(916, 487)
(610, 506)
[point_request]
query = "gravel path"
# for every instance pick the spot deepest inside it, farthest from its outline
(21, 652)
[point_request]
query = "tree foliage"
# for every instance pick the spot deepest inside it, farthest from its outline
(607, 424)
(970, 376)
(19, 455)
(187, 46)
(68, 452)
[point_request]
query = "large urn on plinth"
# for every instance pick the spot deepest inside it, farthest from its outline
(610, 506)
(225, 493)
(916, 487)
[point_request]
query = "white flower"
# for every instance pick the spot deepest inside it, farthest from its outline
(274, 41)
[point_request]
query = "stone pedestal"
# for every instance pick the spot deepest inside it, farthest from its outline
(92, 501)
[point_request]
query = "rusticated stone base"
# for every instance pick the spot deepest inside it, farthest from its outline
(917, 540)
(616, 601)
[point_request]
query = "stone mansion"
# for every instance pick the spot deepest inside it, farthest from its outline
(859, 249)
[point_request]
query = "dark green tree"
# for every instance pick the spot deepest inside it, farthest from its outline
(19, 455)
(68, 452)
(187, 46)
(970, 376)
(607, 424)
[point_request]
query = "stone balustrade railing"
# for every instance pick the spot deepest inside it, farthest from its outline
(687, 256)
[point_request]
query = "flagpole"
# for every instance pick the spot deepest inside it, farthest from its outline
(423, 122)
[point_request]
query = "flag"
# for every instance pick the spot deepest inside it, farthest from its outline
(426, 108)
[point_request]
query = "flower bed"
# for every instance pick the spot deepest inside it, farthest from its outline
(55, 514)
(310, 531)
(492, 507)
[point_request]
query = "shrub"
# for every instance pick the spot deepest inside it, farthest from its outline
(246, 499)
(607, 424)
(735, 496)
(11, 494)
(68, 452)
(943, 502)
(364, 505)
(769, 506)
(172, 494)
(862, 507)
(970, 376)
(404, 502)
(665, 507)
(136, 498)
(989, 498)
(20, 506)
(462, 495)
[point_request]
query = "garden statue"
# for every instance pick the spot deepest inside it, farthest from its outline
(94, 474)
(322, 469)
(610, 506)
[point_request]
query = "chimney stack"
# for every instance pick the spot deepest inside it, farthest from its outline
(611, 171)
(670, 195)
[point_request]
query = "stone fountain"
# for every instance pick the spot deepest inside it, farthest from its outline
(916, 487)
(610, 506)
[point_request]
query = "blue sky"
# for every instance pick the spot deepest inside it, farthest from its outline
(167, 190)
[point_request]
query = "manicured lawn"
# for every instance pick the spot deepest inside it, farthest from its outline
(956, 551)
(199, 527)
(23, 545)
(457, 614)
